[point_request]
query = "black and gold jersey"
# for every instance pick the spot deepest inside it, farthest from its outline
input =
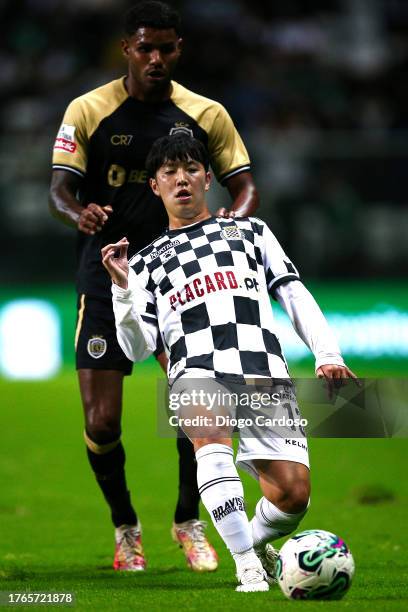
(105, 137)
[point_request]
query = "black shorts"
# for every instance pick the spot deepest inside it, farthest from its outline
(96, 345)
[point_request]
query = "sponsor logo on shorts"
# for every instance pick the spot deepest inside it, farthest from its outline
(232, 232)
(293, 442)
(234, 504)
(97, 346)
(66, 139)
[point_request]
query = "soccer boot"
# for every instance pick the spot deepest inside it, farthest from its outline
(268, 556)
(190, 536)
(252, 579)
(129, 555)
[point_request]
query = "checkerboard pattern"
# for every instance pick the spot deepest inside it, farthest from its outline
(208, 284)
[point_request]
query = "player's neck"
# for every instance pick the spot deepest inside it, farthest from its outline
(176, 223)
(159, 94)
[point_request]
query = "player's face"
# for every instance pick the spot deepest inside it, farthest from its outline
(182, 186)
(152, 56)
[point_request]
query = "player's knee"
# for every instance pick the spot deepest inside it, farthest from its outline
(298, 499)
(293, 499)
(101, 428)
(100, 421)
(103, 434)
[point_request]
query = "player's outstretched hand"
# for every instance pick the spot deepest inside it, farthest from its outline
(335, 376)
(114, 258)
(93, 218)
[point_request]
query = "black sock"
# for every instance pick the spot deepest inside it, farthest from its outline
(189, 497)
(109, 470)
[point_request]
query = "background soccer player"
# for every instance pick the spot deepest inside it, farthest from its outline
(189, 285)
(99, 186)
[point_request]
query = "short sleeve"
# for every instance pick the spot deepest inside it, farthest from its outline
(71, 144)
(278, 267)
(228, 154)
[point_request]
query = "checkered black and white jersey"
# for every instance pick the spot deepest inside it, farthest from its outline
(206, 288)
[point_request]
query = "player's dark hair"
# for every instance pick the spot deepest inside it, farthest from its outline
(179, 147)
(151, 14)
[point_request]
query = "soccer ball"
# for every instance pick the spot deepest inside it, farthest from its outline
(315, 564)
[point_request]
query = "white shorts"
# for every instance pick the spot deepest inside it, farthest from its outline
(281, 449)
(265, 441)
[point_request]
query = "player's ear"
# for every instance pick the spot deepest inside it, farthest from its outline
(207, 180)
(124, 43)
(154, 186)
(180, 45)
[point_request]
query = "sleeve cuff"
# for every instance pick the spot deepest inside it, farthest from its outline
(329, 359)
(121, 294)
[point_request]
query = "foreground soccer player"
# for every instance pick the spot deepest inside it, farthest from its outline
(204, 285)
(99, 185)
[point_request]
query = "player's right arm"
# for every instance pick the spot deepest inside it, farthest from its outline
(65, 206)
(133, 304)
(231, 164)
(69, 160)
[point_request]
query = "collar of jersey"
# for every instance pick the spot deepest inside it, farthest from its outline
(165, 102)
(197, 225)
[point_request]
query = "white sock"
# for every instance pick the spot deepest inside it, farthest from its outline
(222, 494)
(270, 523)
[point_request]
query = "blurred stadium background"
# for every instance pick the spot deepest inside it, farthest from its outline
(317, 89)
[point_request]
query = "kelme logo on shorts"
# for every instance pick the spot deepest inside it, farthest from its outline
(97, 346)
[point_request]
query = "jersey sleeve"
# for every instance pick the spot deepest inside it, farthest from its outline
(228, 155)
(277, 265)
(135, 315)
(310, 323)
(71, 144)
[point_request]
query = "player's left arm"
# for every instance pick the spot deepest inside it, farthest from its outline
(284, 285)
(245, 197)
(231, 164)
(311, 326)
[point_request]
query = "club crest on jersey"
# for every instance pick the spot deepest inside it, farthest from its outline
(232, 232)
(97, 346)
(181, 128)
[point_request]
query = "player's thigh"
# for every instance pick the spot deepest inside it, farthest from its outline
(197, 406)
(276, 462)
(101, 393)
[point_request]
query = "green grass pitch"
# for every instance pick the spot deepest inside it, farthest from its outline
(55, 532)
